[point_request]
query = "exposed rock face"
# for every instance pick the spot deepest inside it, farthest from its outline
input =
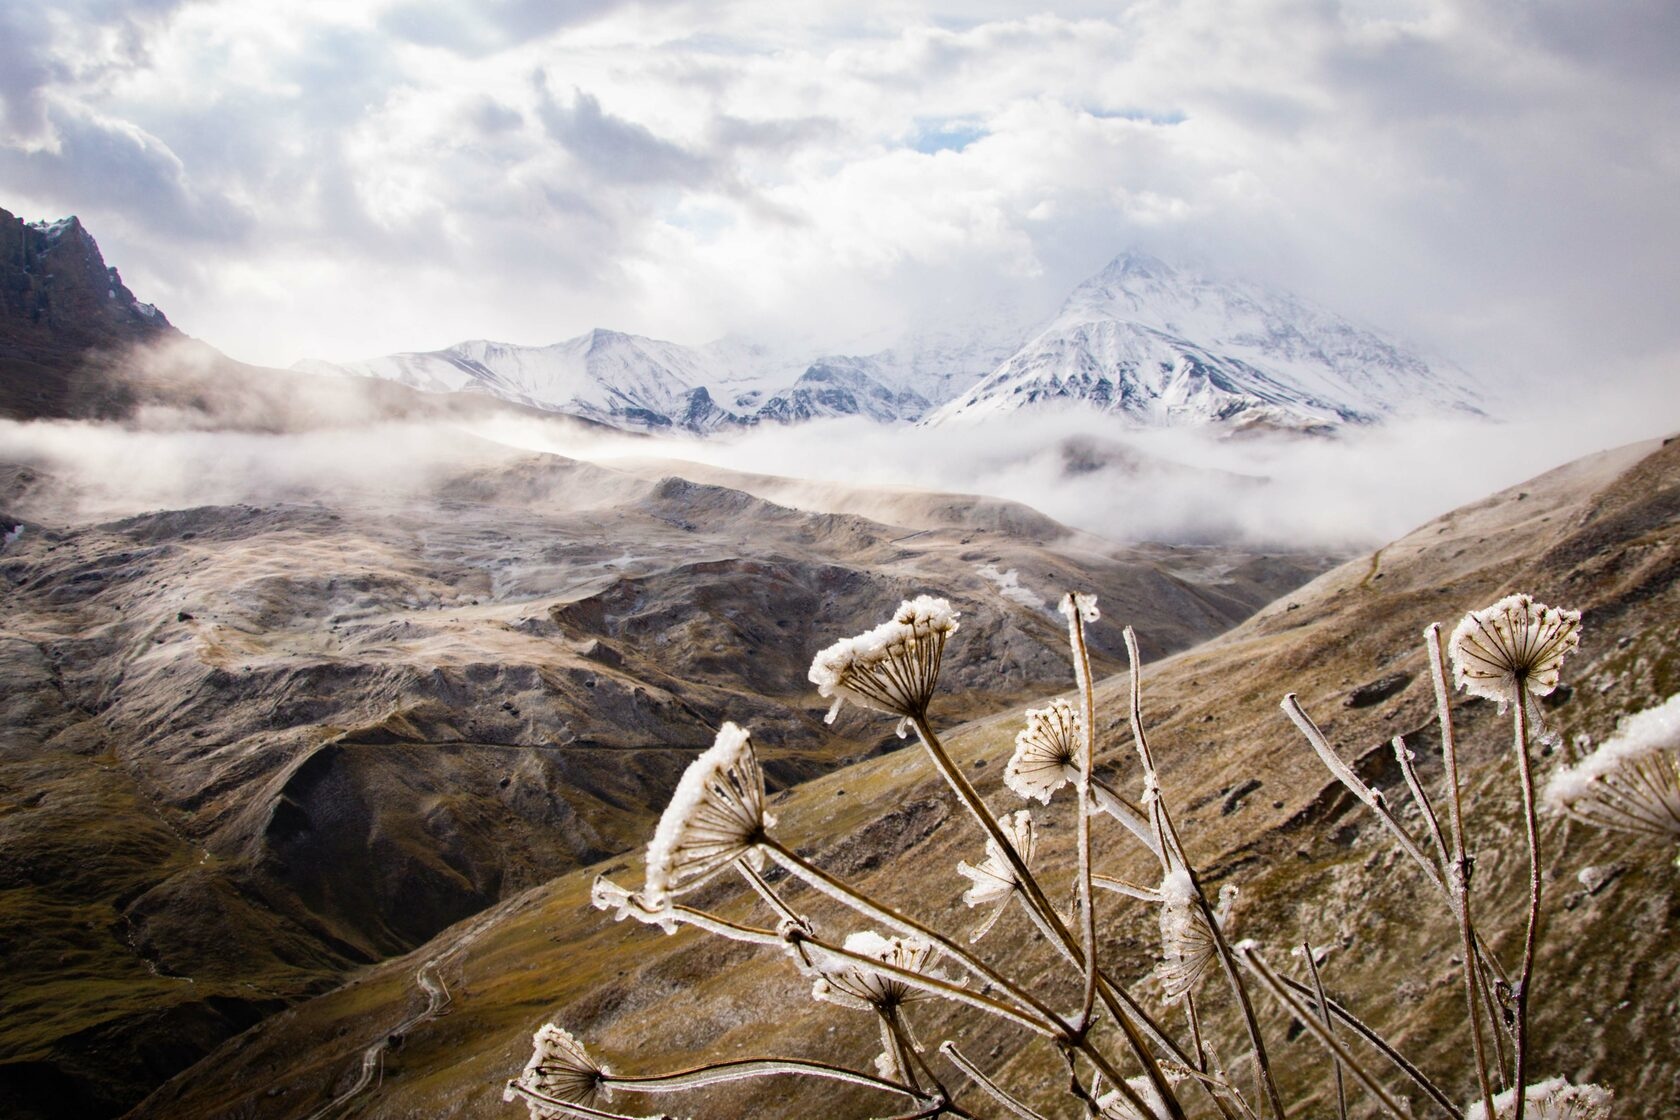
(63, 314)
(842, 387)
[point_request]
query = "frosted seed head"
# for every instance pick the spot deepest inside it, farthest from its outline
(854, 984)
(1513, 646)
(1549, 1100)
(1049, 751)
(716, 816)
(562, 1069)
(1631, 783)
(994, 881)
(1187, 944)
(893, 668)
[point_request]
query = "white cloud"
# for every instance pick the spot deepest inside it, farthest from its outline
(347, 179)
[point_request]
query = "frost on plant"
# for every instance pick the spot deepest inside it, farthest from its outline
(1047, 751)
(1187, 941)
(1512, 646)
(892, 668)
(715, 817)
(1062, 992)
(994, 880)
(1549, 1100)
(853, 983)
(559, 1069)
(1632, 782)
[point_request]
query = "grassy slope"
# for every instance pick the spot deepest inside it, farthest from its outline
(248, 747)
(1602, 535)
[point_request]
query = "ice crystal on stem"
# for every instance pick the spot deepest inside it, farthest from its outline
(715, 817)
(1632, 782)
(562, 1069)
(892, 668)
(1113, 1104)
(1512, 646)
(994, 880)
(1549, 1100)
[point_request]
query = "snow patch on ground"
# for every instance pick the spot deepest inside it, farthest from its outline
(1009, 586)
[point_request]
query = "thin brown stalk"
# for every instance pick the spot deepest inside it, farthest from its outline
(1531, 824)
(1458, 873)
(987, 1085)
(1263, 971)
(1383, 1047)
(1324, 1015)
(1088, 914)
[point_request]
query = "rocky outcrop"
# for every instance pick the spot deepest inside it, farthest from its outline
(63, 312)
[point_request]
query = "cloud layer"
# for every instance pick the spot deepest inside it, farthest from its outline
(345, 179)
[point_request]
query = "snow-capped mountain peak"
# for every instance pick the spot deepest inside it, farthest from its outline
(1163, 346)
(1153, 344)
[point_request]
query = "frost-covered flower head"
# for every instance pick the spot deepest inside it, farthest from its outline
(559, 1068)
(1049, 752)
(892, 668)
(1515, 644)
(1549, 1100)
(1187, 944)
(1632, 782)
(994, 879)
(854, 984)
(715, 817)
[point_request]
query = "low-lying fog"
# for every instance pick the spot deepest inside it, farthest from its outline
(1358, 489)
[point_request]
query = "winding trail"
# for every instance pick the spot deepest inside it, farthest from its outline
(429, 979)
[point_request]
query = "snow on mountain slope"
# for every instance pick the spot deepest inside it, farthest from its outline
(1164, 347)
(1142, 340)
(620, 379)
(843, 387)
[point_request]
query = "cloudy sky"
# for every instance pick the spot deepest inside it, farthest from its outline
(1495, 179)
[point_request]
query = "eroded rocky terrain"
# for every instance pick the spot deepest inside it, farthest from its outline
(1602, 535)
(254, 745)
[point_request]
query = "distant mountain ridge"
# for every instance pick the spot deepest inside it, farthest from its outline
(1151, 344)
(645, 384)
(1164, 347)
(1142, 341)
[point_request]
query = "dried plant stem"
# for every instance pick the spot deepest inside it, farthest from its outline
(987, 1085)
(1045, 1021)
(717, 1073)
(1172, 849)
(1038, 903)
(1356, 786)
(1131, 890)
(1109, 800)
(1151, 779)
(1382, 1046)
(1088, 914)
(1458, 868)
(1324, 1015)
(722, 927)
(1531, 825)
(1257, 965)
